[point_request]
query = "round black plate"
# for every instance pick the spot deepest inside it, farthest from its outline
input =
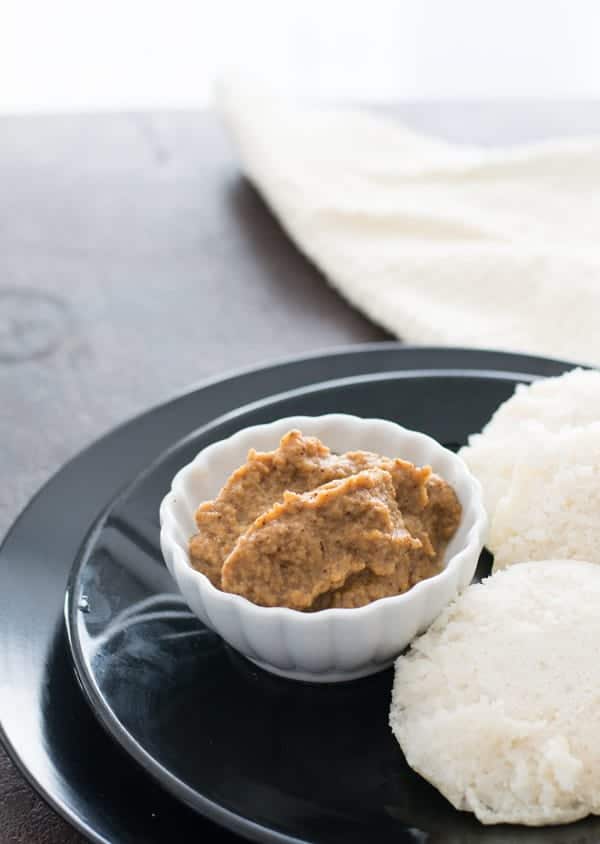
(271, 758)
(45, 723)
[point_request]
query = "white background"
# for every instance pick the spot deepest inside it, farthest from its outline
(115, 54)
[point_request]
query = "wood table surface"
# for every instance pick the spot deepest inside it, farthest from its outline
(135, 261)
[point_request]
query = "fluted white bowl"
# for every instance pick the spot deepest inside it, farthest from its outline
(329, 645)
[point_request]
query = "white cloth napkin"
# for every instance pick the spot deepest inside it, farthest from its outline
(438, 243)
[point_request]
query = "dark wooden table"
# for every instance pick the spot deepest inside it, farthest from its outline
(135, 261)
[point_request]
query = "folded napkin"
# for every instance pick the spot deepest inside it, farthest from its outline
(438, 243)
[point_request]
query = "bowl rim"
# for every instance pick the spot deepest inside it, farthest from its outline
(474, 538)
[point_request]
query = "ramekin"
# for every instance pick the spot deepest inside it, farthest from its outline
(330, 645)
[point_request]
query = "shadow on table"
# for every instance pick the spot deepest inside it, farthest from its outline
(306, 288)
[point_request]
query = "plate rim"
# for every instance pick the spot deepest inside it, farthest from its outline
(344, 355)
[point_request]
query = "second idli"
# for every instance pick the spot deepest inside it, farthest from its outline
(498, 703)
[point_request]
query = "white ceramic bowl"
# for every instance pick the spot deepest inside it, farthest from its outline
(336, 644)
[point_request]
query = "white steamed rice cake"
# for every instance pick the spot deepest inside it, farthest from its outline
(538, 461)
(498, 703)
(552, 507)
(548, 405)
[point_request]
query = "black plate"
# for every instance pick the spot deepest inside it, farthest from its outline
(46, 725)
(274, 759)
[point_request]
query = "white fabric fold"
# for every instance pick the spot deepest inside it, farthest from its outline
(438, 243)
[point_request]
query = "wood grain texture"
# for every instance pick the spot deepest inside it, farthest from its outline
(135, 261)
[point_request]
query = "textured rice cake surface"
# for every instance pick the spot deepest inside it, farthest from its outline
(498, 703)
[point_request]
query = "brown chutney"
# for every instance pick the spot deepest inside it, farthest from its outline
(307, 529)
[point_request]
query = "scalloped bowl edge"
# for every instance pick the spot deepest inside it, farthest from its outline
(330, 645)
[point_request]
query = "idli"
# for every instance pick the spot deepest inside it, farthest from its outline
(552, 507)
(498, 703)
(548, 405)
